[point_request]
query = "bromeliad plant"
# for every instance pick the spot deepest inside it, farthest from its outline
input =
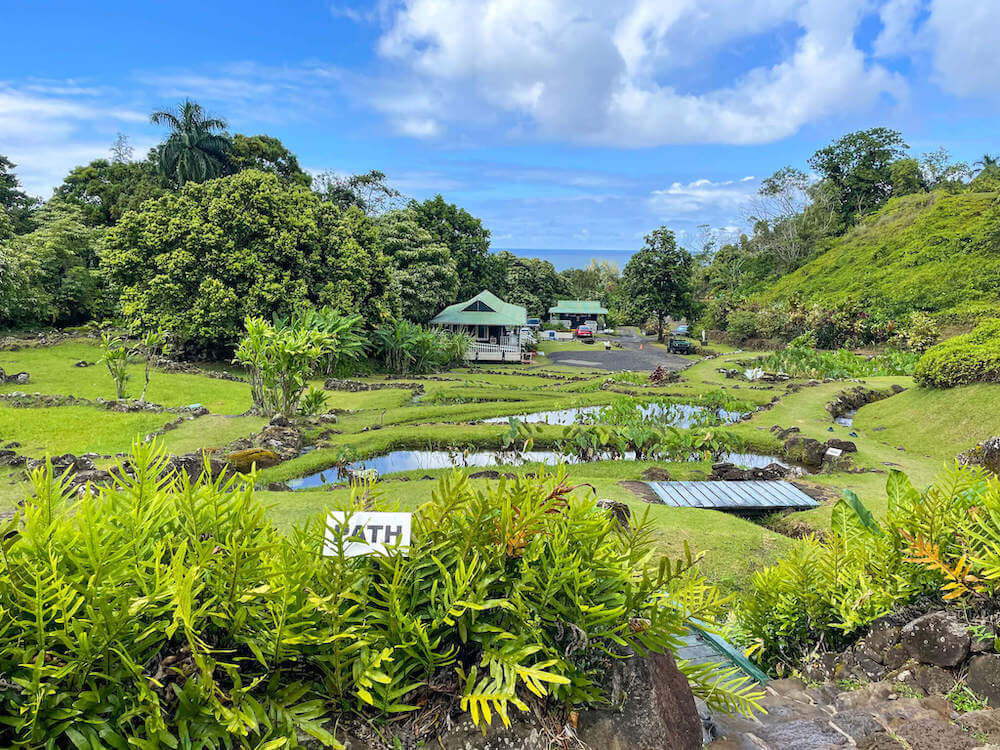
(161, 612)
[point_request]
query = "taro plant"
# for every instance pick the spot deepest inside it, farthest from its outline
(279, 362)
(165, 612)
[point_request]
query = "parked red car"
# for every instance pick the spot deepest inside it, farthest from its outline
(584, 332)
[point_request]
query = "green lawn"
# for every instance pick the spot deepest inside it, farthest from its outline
(52, 371)
(75, 429)
(931, 426)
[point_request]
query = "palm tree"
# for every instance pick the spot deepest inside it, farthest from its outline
(194, 151)
(987, 163)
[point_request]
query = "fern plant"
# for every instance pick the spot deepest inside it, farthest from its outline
(164, 612)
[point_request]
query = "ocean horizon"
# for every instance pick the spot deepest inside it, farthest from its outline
(563, 258)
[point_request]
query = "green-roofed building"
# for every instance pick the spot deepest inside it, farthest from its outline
(494, 324)
(578, 311)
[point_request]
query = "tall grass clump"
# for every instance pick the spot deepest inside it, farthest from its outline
(161, 612)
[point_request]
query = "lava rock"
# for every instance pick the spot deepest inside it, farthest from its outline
(984, 677)
(937, 638)
(618, 510)
(656, 474)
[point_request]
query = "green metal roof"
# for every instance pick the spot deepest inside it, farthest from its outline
(485, 309)
(578, 307)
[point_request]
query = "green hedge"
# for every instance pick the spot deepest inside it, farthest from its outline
(970, 358)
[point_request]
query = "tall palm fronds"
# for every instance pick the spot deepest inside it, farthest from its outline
(194, 151)
(987, 163)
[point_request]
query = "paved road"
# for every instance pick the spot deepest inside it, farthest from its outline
(631, 357)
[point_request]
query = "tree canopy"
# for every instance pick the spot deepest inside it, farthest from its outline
(423, 268)
(467, 240)
(18, 204)
(657, 280)
(859, 167)
(267, 154)
(104, 190)
(197, 262)
(531, 282)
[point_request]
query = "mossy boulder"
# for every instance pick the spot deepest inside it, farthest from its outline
(244, 460)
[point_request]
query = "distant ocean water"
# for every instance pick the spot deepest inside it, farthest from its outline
(565, 258)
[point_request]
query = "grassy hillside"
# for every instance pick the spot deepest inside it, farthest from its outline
(934, 252)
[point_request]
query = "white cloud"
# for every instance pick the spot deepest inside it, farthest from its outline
(612, 73)
(965, 35)
(46, 128)
(724, 198)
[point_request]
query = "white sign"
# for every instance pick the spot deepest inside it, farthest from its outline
(367, 533)
(834, 452)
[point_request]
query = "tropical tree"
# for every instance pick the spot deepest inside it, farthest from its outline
(424, 270)
(18, 205)
(104, 190)
(657, 280)
(858, 167)
(199, 261)
(197, 148)
(267, 154)
(467, 240)
(987, 162)
(531, 282)
(370, 191)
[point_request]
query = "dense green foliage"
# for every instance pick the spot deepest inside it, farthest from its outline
(932, 251)
(104, 190)
(198, 261)
(267, 154)
(165, 613)
(423, 269)
(657, 280)
(971, 358)
(18, 205)
(402, 348)
(467, 240)
(859, 169)
(51, 272)
(801, 360)
(828, 588)
(531, 282)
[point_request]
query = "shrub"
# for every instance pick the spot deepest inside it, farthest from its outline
(920, 332)
(279, 362)
(161, 612)
(971, 358)
(403, 348)
(828, 588)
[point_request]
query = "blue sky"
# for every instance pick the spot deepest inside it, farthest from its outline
(574, 124)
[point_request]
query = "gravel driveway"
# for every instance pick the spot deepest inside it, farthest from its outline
(616, 360)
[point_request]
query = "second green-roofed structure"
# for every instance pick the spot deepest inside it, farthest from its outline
(575, 312)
